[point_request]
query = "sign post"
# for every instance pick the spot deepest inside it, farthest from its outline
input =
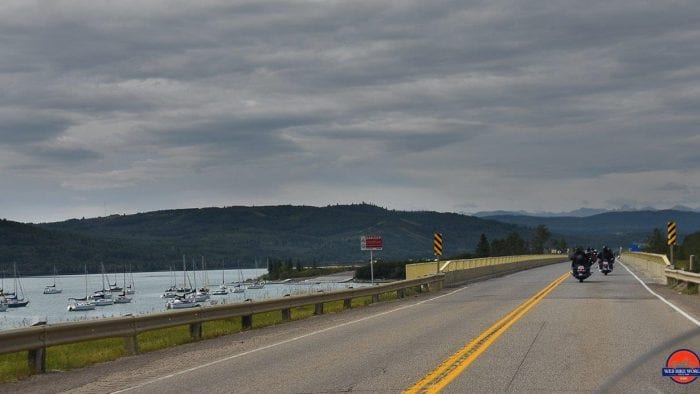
(672, 238)
(371, 243)
(437, 250)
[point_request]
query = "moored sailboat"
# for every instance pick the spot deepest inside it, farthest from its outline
(131, 287)
(81, 304)
(222, 290)
(16, 298)
(52, 289)
(122, 298)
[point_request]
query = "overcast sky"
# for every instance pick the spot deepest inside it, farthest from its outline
(132, 106)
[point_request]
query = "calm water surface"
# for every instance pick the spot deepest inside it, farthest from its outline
(149, 287)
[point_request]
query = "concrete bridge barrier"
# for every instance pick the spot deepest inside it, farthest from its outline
(458, 272)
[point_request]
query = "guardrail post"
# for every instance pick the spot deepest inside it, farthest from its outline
(196, 331)
(693, 265)
(318, 310)
(286, 314)
(131, 345)
(375, 298)
(435, 286)
(347, 303)
(672, 282)
(246, 322)
(400, 293)
(37, 361)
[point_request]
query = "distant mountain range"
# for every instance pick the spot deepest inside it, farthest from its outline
(581, 212)
(611, 228)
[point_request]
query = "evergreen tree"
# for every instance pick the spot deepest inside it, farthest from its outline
(656, 242)
(483, 248)
(539, 239)
(512, 245)
(559, 244)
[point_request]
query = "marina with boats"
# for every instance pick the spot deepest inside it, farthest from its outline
(25, 301)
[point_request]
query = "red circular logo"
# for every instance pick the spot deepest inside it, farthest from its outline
(685, 364)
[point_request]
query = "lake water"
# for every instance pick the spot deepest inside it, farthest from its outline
(147, 299)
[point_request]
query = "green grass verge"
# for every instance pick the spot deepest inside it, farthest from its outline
(166, 337)
(217, 328)
(78, 355)
(13, 367)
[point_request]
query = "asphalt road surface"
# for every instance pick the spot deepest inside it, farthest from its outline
(608, 333)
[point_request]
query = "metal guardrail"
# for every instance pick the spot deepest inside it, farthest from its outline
(658, 264)
(37, 339)
(683, 276)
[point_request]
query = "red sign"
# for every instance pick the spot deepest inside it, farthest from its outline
(371, 242)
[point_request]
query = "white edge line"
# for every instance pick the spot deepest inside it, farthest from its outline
(677, 309)
(282, 343)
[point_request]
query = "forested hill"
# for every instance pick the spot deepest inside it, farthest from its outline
(37, 250)
(327, 235)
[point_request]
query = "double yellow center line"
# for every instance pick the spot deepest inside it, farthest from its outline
(449, 369)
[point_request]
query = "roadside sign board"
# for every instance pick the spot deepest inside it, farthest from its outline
(672, 234)
(437, 244)
(371, 242)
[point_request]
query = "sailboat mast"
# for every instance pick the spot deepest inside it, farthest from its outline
(184, 272)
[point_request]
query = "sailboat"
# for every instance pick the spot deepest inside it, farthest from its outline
(185, 278)
(258, 284)
(112, 287)
(81, 304)
(170, 292)
(102, 297)
(186, 300)
(131, 287)
(16, 299)
(202, 294)
(222, 290)
(238, 286)
(52, 289)
(122, 298)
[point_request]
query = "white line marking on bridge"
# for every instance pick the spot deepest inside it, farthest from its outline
(283, 342)
(677, 309)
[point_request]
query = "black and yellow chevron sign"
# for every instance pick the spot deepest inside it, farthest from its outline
(437, 244)
(672, 233)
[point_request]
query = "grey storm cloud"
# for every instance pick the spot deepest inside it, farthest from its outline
(220, 102)
(24, 128)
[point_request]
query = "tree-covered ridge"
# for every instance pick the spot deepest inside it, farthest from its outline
(325, 235)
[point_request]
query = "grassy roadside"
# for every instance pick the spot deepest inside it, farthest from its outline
(14, 367)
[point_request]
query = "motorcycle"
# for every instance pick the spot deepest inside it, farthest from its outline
(581, 272)
(605, 267)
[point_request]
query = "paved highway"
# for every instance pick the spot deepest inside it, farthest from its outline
(608, 333)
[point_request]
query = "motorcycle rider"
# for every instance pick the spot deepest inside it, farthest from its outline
(607, 254)
(579, 258)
